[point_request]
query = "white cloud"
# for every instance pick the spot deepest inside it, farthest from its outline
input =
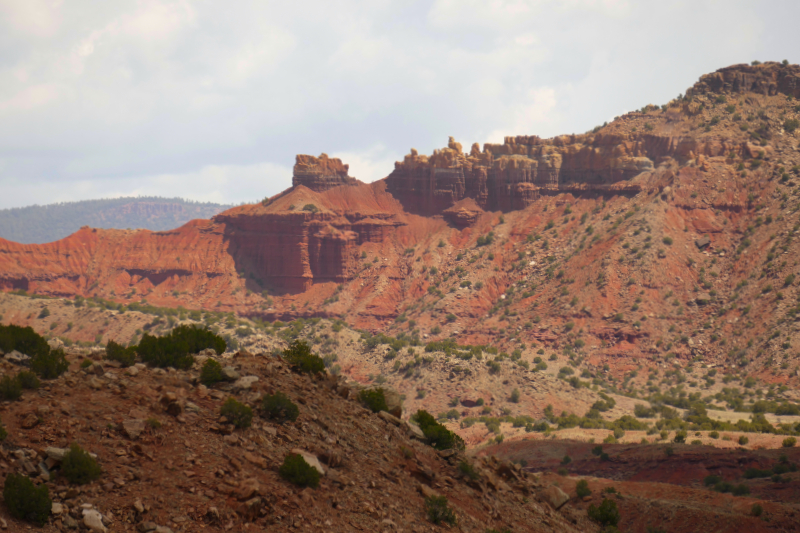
(34, 18)
(370, 165)
(225, 184)
(536, 114)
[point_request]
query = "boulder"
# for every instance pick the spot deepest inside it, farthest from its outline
(230, 373)
(555, 496)
(55, 343)
(311, 459)
(703, 298)
(394, 401)
(30, 421)
(388, 417)
(93, 520)
(57, 454)
(133, 427)
(414, 431)
(427, 492)
(244, 383)
(702, 243)
(18, 358)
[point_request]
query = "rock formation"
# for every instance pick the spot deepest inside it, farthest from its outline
(320, 230)
(320, 173)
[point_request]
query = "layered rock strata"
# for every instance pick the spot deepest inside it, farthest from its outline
(321, 173)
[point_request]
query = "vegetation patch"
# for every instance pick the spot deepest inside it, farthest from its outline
(438, 435)
(239, 414)
(211, 373)
(296, 470)
(374, 400)
(300, 357)
(439, 511)
(26, 501)
(79, 467)
(122, 355)
(279, 407)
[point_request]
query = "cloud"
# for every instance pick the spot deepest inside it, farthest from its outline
(370, 165)
(535, 113)
(214, 100)
(224, 184)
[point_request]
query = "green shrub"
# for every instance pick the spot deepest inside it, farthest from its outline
(79, 467)
(605, 515)
(3, 432)
(50, 364)
(22, 339)
(300, 357)
(438, 436)
(667, 241)
(756, 510)
(680, 436)
(86, 363)
(211, 372)
(789, 442)
(566, 460)
(438, 511)
(26, 501)
(741, 490)
(582, 488)
(468, 469)
(175, 349)
(124, 356)
(279, 407)
(10, 388)
(714, 434)
(374, 400)
(515, 395)
(238, 413)
(743, 440)
(28, 380)
(296, 470)
(791, 124)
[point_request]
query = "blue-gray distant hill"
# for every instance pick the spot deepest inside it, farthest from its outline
(47, 223)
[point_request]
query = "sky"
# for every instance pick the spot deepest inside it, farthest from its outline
(211, 100)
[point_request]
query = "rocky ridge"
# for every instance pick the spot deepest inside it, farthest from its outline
(170, 463)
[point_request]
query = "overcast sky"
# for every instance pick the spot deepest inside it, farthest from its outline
(211, 100)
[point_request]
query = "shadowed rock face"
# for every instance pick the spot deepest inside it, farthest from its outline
(320, 173)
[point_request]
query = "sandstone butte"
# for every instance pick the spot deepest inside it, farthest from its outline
(595, 233)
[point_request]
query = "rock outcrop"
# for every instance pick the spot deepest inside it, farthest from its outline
(320, 173)
(769, 79)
